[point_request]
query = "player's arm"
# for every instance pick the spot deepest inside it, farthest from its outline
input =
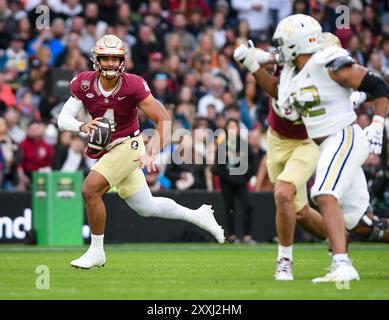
(254, 60)
(268, 82)
(67, 117)
(155, 111)
(359, 78)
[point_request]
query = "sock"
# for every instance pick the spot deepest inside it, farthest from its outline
(340, 258)
(285, 252)
(146, 205)
(97, 243)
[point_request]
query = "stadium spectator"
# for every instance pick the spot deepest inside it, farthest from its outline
(71, 8)
(88, 36)
(108, 11)
(15, 132)
(216, 89)
(15, 57)
(7, 150)
(188, 5)
(36, 154)
(41, 42)
(256, 12)
(6, 94)
(188, 41)
(71, 158)
(91, 11)
(146, 44)
(242, 32)
(237, 153)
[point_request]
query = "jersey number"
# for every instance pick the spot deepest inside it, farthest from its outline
(306, 108)
(109, 114)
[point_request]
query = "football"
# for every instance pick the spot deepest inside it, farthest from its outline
(100, 137)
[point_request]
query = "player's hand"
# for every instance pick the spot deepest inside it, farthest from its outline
(247, 56)
(147, 160)
(89, 126)
(356, 98)
(374, 134)
(290, 113)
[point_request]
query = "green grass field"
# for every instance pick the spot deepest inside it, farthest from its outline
(189, 271)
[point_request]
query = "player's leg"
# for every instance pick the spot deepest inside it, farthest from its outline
(146, 205)
(312, 221)
(341, 156)
(300, 158)
(134, 190)
(279, 152)
(359, 216)
(373, 228)
(93, 188)
(107, 172)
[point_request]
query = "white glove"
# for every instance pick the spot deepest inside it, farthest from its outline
(290, 113)
(262, 56)
(375, 133)
(247, 56)
(356, 98)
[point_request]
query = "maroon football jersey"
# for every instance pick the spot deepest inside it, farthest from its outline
(120, 107)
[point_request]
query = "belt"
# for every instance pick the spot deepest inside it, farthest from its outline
(114, 143)
(134, 134)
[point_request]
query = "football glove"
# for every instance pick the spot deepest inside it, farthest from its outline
(290, 113)
(356, 98)
(251, 57)
(375, 133)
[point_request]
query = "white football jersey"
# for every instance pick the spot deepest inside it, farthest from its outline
(324, 104)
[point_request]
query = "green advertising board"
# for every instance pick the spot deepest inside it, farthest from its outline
(57, 214)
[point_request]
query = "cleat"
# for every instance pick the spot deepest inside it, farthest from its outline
(284, 270)
(339, 272)
(205, 220)
(89, 260)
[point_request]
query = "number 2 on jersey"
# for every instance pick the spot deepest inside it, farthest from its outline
(306, 108)
(109, 114)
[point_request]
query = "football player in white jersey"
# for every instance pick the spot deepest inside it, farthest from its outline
(316, 84)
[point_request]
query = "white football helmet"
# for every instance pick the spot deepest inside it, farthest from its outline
(109, 46)
(297, 34)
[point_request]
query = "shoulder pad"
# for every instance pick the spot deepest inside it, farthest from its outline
(329, 54)
(339, 63)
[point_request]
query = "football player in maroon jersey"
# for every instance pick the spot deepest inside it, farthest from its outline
(111, 93)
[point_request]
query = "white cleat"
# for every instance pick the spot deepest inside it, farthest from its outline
(206, 221)
(89, 259)
(339, 272)
(284, 271)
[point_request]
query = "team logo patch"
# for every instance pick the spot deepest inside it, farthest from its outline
(134, 145)
(85, 84)
(90, 95)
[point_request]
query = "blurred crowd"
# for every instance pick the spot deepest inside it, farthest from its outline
(184, 49)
